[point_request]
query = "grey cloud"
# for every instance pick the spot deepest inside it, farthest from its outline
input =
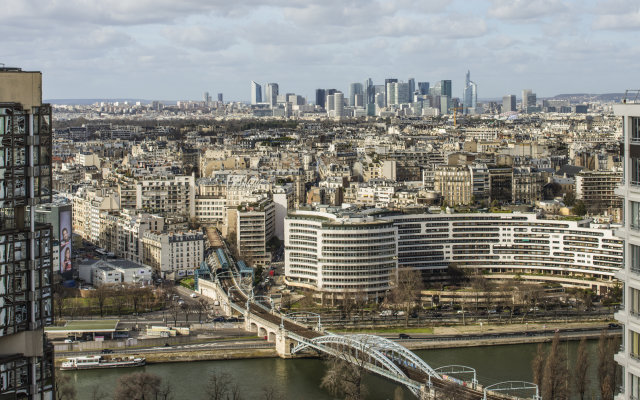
(618, 22)
(524, 9)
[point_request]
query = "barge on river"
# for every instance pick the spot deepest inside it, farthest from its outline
(94, 362)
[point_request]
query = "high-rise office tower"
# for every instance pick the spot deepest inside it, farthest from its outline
(330, 105)
(354, 89)
(271, 92)
(369, 92)
(387, 82)
(321, 95)
(509, 103)
(470, 95)
(412, 88)
(359, 100)
(401, 93)
(629, 312)
(529, 99)
(206, 98)
(423, 88)
(256, 93)
(220, 98)
(26, 272)
(339, 104)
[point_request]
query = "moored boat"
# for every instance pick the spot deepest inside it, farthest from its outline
(93, 362)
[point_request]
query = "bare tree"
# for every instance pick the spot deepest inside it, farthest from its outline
(581, 370)
(118, 299)
(608, 370)
(450, 391)
(222, 387)
(270, 392)
(65, 390)
(97, 393)
(554, 384)
(174, 311)
(344, 379)
(141, 386)
(202, 306)
(537, 365)
(101, 294)
(406, 290)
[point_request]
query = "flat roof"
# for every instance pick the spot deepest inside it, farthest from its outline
(102, 325)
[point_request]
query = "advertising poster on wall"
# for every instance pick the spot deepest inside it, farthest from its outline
(65, 242)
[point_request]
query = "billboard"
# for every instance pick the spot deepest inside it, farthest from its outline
(65, 242)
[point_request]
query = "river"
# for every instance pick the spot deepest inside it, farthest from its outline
(300, 378)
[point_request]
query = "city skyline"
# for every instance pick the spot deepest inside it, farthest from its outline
(120, 49)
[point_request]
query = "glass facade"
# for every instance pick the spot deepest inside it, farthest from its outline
(25, 252)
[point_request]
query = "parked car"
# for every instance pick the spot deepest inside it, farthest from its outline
(232, 319)
(194, 295)
(219, 319)
(107, 351)
(404, 336)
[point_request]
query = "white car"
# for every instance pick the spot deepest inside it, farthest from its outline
(193, 295)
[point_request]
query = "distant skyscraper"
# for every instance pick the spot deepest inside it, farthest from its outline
(400, 93)
(271, 94)
(206, 98)
(359, 100)
(369, 92)
(423, 88)
(354, 89)
(387, 82)
(256, 93)
(330, 105)
(529, 99)
(220, 98)
(339, 104)
(321, 95)
(470, 95)
(412, 88)
(509, 103)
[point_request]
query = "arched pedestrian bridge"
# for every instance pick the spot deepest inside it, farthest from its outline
(376, 354)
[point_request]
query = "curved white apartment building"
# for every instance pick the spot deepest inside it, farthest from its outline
(506, 245)
(339, 254)
(333, 252)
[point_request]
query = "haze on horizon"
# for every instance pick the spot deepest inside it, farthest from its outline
(163, 49)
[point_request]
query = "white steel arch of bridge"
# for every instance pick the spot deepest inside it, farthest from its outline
(512, 385)
(382, 351)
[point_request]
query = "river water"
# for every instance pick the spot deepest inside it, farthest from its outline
(300, 378)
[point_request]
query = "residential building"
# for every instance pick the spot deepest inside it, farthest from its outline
(173, 255)
(629, 275)
(255, 226)
(26, 280)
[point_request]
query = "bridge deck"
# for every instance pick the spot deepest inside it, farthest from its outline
(462, 392)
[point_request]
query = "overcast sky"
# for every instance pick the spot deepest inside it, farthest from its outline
(177, 49)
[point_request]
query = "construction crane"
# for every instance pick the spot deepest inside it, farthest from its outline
(455, 115)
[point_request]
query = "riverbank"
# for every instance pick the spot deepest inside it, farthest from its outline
(438, 338)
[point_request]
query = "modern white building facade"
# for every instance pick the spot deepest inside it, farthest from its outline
(629, 315)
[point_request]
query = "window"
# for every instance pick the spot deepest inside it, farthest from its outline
(635, 386)
(635, 129)
(635, 215)
(635, 258)
(634, 301)
(634, 342)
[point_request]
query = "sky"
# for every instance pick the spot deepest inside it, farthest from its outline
(178, 49)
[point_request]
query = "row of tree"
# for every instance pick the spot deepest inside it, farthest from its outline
(551, 370)
(148, 386)
(107, 300)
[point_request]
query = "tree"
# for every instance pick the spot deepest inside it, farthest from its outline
(270, 392)
(581, 370)
(456, 274)
(65, 389)
(141, 386)
(569, 199)
(101, 294)
(608, 370)
(579, 208)
(537, 365)
(556, 376)
(222, 387)
(406, 290)
(344, 378)
(202, 307)
(118, 299)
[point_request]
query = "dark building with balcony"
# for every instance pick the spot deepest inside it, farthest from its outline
(26, 275)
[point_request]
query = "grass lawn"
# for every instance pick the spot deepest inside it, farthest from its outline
(386, 330)
(97, 325)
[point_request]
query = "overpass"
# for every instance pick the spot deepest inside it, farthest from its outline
(373, 353)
